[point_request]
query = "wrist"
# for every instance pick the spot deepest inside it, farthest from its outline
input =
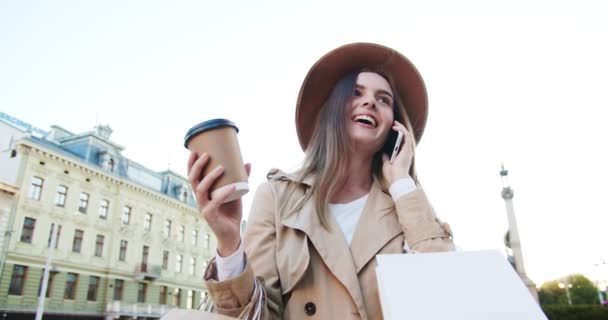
(226, 248)
(399, 176)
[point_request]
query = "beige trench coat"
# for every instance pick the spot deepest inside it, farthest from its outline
(309, 272)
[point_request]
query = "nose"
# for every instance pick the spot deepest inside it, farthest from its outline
(369, 102)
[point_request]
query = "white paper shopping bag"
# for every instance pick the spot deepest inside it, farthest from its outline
(477, 285)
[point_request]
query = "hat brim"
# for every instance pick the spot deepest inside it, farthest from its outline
(326, 72)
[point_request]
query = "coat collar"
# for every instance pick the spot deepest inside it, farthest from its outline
(377, 226)
(292, 176)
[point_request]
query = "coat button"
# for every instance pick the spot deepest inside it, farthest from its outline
(310, 308)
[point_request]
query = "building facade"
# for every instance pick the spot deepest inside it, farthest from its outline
(130, 242)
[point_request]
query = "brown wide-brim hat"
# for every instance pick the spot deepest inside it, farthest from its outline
(324, 75)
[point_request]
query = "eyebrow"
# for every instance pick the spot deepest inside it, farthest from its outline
(358, 86)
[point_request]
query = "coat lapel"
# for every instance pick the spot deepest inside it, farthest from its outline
(331, 246)
(376, 227)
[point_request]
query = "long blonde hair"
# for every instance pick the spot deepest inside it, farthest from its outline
(328, 153)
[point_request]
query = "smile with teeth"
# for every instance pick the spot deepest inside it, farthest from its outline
(365, 120)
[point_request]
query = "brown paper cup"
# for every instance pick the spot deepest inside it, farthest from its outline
(218, 138)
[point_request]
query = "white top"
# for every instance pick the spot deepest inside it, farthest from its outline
(346, 214)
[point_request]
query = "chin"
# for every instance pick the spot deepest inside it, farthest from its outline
(366, 143)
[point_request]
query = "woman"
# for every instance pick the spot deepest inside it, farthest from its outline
(310, 245)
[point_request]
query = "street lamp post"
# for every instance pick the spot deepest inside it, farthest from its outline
(47, 270)
(566, 285)
(599, 290)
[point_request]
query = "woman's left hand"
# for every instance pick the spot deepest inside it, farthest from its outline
(399, 168)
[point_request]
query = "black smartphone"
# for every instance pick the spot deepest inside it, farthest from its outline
(393, 144)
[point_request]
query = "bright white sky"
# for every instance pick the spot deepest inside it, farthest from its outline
(517, 81)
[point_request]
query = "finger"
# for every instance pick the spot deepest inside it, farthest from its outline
(400, 125)
(221, 195)
(202, 190)
(401, 129)
(248, 169)
(408, 147)
(191, 160)
(194, 176)
(384, 158)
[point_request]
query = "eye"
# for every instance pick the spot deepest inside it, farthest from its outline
(357, 93)
(385, 100)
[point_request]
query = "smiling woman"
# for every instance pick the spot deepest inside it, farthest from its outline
(312, 236)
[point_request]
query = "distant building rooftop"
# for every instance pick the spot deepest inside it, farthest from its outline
(95, 148)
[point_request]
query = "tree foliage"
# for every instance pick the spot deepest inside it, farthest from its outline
(582, 291)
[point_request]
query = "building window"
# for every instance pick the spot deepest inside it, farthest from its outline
(17, 280)
(27, 233)
(118, 285)
(162, 298)
(51, 235)
(190, 301)
(207, 240)
(180, 233)
(36, 188)
(194, 238)
(167, 229)
(178, 263)
(70, 286)
(49, 284)
(148, 221)
(77, 243)
(93, 285)
(126, 215)
(192, 297)
(62, 193)
(182, 193)
(99, 245)
(104, 207)
(141, 292)
(177, 296)
(122, 255)
(165, 260)
(192, 265)
(84, 202)
(144, 258)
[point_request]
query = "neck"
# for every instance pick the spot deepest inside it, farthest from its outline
(358, 181)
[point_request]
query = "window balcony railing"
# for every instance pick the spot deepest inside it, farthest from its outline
(145, 271)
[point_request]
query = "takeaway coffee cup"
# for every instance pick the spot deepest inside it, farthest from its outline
(217, 138)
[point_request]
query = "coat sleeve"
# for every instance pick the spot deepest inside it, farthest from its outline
(232, 297)
(422, 229)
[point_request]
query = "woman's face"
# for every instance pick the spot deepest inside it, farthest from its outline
(371, 112)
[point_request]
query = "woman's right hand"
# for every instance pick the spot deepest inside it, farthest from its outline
(224, 219)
